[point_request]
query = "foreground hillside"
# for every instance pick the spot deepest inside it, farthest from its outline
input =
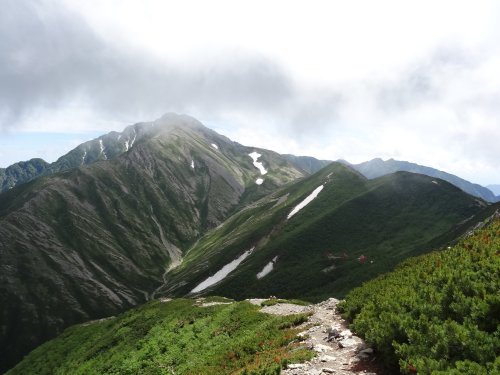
(352, 229)
(211, 336)
(438, 313)
(95, 240)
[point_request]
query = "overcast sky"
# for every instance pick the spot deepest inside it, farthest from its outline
(410, 80)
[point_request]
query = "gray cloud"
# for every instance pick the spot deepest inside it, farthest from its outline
(424, 81)
(49, 57)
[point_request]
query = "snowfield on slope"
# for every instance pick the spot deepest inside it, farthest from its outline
(267, 268)
(255, 156)
(306, 201)
(222, 273)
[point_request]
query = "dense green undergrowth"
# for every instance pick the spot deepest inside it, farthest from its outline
(176, 337)
(438, 313)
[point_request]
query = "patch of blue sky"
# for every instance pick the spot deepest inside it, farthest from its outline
(22, 146)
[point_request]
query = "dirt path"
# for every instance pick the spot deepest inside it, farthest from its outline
(338, 350)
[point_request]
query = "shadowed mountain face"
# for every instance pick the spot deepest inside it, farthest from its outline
(378, 167)
(94, 240)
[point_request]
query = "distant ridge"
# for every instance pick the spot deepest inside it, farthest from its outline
(378, 167)
(495, 189)
(307, 163)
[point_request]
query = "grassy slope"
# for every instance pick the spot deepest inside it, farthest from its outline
(178, 337)
(386, 219)
(438, 313)
(254, 225)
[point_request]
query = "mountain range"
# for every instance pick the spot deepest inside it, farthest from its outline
(171, 208)
(378, 167)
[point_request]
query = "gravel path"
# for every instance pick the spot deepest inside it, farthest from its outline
(338, 350)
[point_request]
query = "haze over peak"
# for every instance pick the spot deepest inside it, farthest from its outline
(423, 95)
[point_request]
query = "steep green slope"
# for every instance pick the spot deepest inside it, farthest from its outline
(438, 313)
(20, 173)
(352, 231)
(92, 241)
(175, 337)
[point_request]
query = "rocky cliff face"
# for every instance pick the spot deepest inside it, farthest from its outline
(94, 240)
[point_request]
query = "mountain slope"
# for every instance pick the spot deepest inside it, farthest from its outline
(495, 189)
(105, 147)
(21, 172)
(352, 231)
(94, 240)
(378, 167)
(307, 163)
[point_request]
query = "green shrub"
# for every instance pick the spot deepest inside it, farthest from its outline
(180, 336)
(438, 313)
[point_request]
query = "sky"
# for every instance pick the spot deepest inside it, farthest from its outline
(353, 80)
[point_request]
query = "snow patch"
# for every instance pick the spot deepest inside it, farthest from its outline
(267, 268)
(133, 140)
(83, 157)
(435, 182)
(126, 145)
(255, 156)
(192, 164)
(222, 273)
(215, 146)
(102, 150)
(306, 201)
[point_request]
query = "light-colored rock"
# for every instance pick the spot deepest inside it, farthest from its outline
(285, 309)
(320, 348)
(346, 333)
(367, 351)
(295, 366)
(327, 358)
(326, 333)
(351, 343)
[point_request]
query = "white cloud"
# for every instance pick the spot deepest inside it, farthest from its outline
(414, 80)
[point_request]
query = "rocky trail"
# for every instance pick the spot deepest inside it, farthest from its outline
(338, 350)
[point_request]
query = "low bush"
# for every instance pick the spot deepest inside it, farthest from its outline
(438, 313)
